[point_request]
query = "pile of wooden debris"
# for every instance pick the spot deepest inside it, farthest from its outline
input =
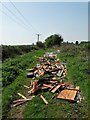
(48, 75)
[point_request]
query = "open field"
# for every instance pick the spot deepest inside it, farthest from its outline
(14, 77)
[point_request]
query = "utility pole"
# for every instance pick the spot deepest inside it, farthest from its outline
(38, 35)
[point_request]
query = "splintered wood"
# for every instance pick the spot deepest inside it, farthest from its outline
(76, 88)
(21, 95)
(20, 101)
(44, 99)
(50, 86)
(57, 87)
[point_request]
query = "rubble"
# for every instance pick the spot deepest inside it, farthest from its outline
(49, 75)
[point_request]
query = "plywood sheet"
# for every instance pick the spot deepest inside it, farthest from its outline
(67, 94)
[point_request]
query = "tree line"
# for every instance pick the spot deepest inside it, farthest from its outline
(12, 51)
(52, 40)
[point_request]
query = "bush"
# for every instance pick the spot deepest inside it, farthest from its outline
(53, 40)
(40, 44)
(12, 51)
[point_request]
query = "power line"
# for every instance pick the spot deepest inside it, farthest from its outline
(12, 19)
(21, 15)
(25, 20)
(14, 14)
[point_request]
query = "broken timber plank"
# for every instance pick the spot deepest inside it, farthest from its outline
(44, 67)
(48, 86)
(35, 71)
(20, 100)
(57, 87)
(42, 73)
(60, 73)
(44, 87)
(53, 81)
(35, 89)
(19, 103)
(44, 99)
(77, 88)
(21, 95)
(26, 86)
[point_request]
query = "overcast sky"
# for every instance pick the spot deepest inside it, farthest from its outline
(70, 19)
